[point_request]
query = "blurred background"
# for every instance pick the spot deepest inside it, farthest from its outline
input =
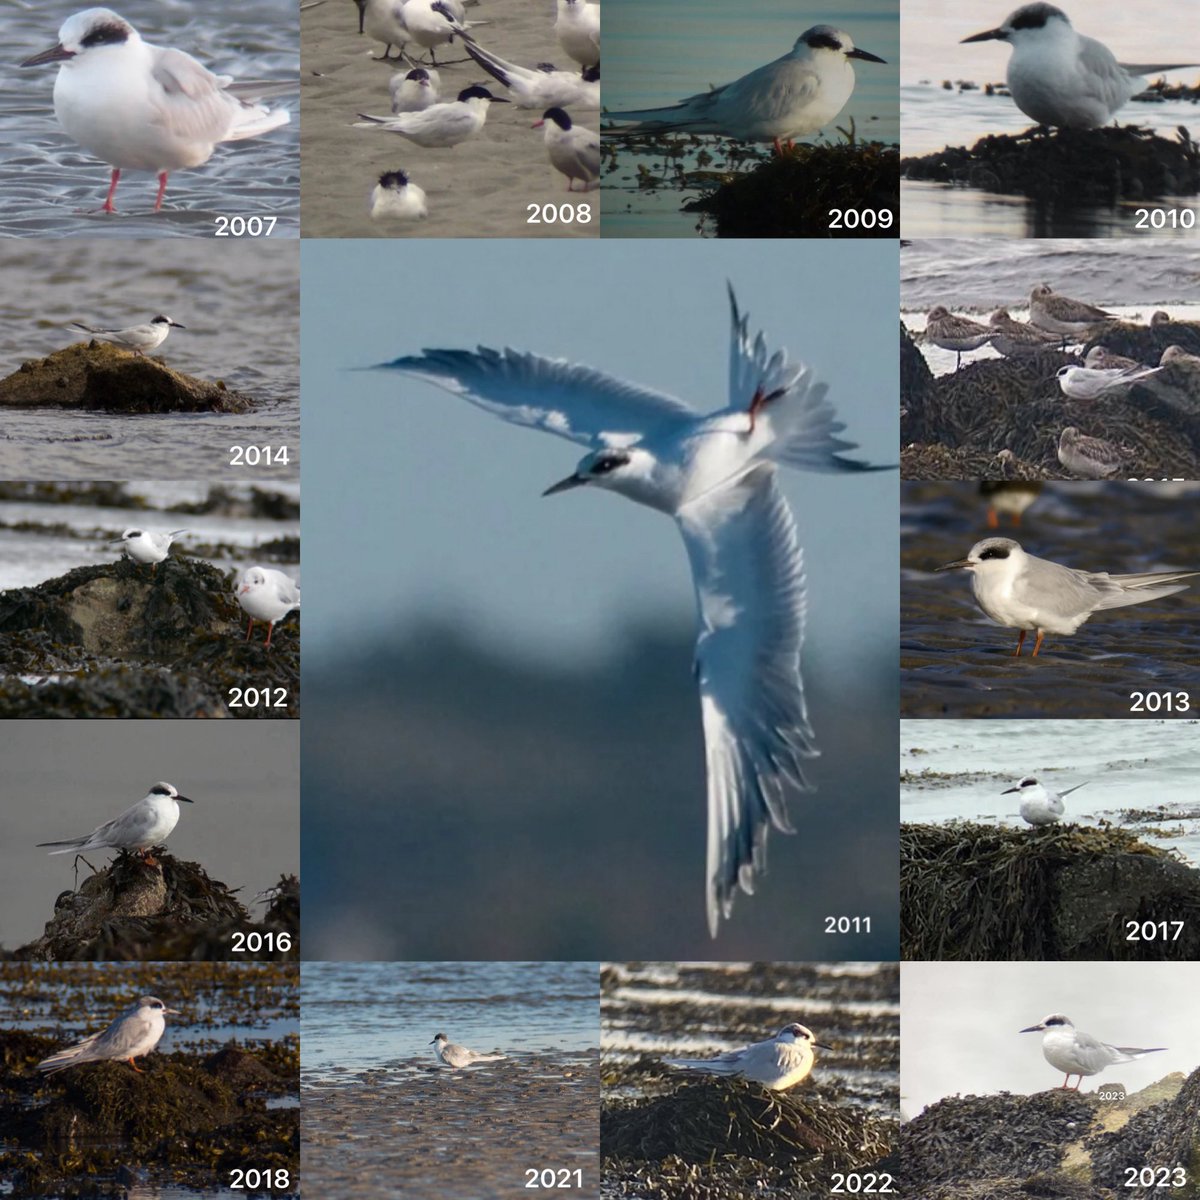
(504, 757)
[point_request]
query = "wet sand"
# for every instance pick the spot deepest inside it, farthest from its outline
(477, 189)
(431, 1132)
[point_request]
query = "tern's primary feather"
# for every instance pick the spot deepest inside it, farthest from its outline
(748, 573)
(577, 403)
(716, 475)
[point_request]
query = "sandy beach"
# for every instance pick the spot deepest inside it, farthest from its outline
(480, 188)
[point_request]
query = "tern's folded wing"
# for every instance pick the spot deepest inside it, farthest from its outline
(749, 579)
(574, 402)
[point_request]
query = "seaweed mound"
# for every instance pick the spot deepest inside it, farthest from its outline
(791, 195)
(162, 912)
(101, 377)
(123, 640)
(972, 892)
(737, 1132)
(1055, 1144)
(1069, 166)
(1000, 418)
(179, 1111)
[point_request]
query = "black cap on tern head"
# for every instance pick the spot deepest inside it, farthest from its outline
(558, 116)
(418, 73)
(393, 179)
(476, 92)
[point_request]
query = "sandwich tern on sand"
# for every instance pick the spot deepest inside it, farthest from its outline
(396, 197)
(439, 125)
(1076, 1053)
(778, 1063)
(1039, 805)
(140, 827)
(541, 88)
(414, 92)
(1059, 77)
(793, 96)
(452, 1055)
(578, 28)
(715, 475)
(146, 108)
(134, 1033)
(267, 595)
(141, 339)
(1024, 592)
(573, 150)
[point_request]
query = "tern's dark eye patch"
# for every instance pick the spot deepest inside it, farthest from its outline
(159, 790)
(1034, 16)
(822, 41)
(134, 533)
(610, 462)
(993, 552)
(106, 35)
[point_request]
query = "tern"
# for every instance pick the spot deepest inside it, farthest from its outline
(574, 151)
(1039, 805)
(1024, 592)
(140, 827)
(414, 92)
(788, 98)
(395, 197)
(141, 339)
(1059, 77)
(1079, 1053)
(440, 125)
(1008, 496)
(1087, 383)
(778, 1063)
(145, 108)
(143, 546)
(383, 21)
(541, 88)
(133, 1034)
(715, 475)
(578, 29)
(267, 595)
(452, 1055)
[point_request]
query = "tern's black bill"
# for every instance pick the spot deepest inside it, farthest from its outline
(863, 54)
(958, 564)
(565, 485)
(54, 54)
(990, 35)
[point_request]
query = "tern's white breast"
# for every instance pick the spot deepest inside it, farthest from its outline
(107, 99)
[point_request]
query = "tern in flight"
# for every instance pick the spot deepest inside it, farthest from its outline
(715, 474)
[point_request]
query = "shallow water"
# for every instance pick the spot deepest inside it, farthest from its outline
(383, 1117)
(1123, 765)
(955, 663)
(656, 53)
(240, 305)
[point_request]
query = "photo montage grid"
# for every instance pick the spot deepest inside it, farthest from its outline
(759, 867)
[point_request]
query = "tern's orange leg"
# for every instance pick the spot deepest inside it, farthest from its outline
(250, 630)
(993, 519)
(162, 189)
(136, 1067)
(1020, 643)
(270, 630)
(1037, 645)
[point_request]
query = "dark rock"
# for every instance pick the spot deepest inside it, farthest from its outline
(103, 377)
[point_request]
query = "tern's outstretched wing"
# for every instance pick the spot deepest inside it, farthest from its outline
(803, 423)
(196, 104)
(575, 402)
(749, 579)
